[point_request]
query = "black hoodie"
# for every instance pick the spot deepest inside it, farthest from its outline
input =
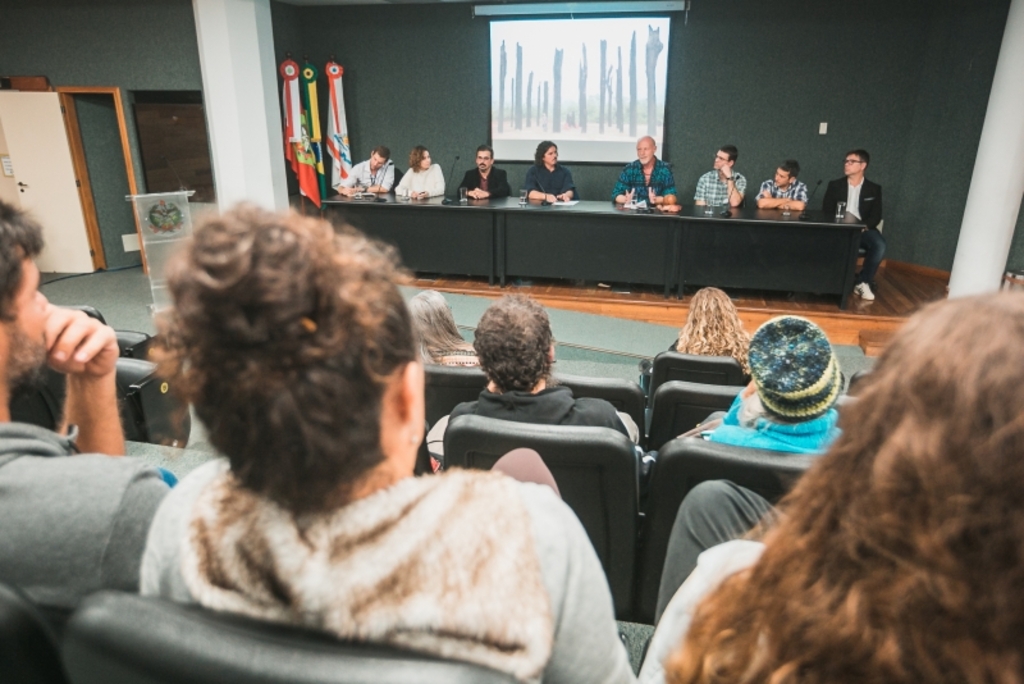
(550, 406)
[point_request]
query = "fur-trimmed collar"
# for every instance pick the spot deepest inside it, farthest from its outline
(443, 564)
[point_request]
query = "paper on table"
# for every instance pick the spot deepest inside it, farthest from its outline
(570, 203)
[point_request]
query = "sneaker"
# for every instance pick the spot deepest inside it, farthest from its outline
(863, 290)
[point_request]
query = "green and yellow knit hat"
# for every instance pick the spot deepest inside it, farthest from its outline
(793, 366)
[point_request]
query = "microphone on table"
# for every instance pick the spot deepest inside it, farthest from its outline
(803, 214)
(449, 200)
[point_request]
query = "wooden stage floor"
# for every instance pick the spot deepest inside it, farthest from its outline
(902, 290)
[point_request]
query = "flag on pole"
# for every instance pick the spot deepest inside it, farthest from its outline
(337, 126)
(312, 109)
(298, 149)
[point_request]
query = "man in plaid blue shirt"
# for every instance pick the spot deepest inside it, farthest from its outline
(723, 185)
(648, 179)
(784, 191)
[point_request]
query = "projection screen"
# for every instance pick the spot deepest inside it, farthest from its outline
(593, 86)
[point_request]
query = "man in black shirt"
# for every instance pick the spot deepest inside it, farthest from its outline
(486, 181)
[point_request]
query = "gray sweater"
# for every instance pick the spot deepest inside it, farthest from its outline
(586, 642)
(70, 524)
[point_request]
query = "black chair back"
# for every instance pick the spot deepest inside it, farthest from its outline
(625, 395)
(683, 464)
(129, 639)
(149, 411)
(709, 370)
(28, 647)
(596, 470)
(678, 407)
(449, 386)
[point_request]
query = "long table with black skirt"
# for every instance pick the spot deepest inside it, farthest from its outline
(599, 241)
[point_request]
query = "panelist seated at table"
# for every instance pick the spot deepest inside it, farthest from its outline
(648, 179)
(547, 179)
(722, 186)
(784, 191)
(864, 201)
(376, 174)
(486, 181)
(423, 178)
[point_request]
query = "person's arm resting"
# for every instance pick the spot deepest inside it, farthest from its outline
(86, 351)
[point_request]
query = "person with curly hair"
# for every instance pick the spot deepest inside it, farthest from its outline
(439, 338)
(294, 345)
(516, 350)
(547, 180)
(423, 179)
(898, 556)
(713, 328)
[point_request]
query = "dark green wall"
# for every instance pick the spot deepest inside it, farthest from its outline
(907, 80)
(101, 139)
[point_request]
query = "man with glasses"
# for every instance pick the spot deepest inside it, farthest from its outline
(486, 180)
(723, 186)
(784, 191)
(864, 200)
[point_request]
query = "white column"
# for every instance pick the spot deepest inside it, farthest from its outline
(240, 94)
(998, 181)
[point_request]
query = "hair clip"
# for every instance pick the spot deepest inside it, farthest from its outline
(308, 323)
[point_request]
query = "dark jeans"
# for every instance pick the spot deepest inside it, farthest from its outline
(713, 513)
(874, 249)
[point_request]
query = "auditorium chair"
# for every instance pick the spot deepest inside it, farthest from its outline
(133, 345)
(597, 472)
(149, 411)
(683, 464)
(28, 646)
(130, 639)
(448, 386)
(709, 370)
(678, 407)
(625, 395)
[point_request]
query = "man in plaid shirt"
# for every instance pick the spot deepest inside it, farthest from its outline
(648, 179)
(784, 191)
(723, 185)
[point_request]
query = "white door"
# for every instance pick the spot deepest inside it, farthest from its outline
(41, 157)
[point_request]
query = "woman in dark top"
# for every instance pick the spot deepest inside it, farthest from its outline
(547, 179)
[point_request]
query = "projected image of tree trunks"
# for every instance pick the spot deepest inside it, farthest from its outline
(529, 99)
(503, 68)
(632, 86)
(519, 87)
(603, 84)
(583, 91)
(618, 70)
(556, 103)
(618, 93)
(654, 48)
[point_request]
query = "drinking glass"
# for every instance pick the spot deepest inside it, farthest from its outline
(523, 194)
(463, 195)
(840, 210)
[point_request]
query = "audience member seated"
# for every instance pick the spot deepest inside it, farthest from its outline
(297, 351)
(896, 558)
(516, 350)
(72, 524)
(788, 404)
(423, 179)
(439, 338)
(713, 328)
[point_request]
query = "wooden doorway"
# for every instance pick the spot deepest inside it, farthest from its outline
(78, 155)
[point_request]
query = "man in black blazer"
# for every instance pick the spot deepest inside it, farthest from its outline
(864, 200)
(485, 181)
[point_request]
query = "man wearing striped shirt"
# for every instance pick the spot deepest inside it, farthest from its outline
(723, 186)
(784, 191)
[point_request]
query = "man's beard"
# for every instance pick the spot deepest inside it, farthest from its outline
(26, 360)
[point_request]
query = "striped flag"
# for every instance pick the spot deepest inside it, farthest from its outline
(337, 126)
(311, 108)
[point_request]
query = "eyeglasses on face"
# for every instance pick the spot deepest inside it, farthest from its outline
(854, 161)
(721, 158)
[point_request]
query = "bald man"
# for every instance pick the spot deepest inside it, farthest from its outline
(648, 179)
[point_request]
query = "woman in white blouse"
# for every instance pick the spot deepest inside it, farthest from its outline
(423, 178)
